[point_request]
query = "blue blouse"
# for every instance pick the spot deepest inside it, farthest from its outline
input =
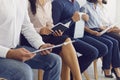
(94, 19)
(62, 11)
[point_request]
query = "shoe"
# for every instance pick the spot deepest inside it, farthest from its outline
(108, 76)
(117, 78)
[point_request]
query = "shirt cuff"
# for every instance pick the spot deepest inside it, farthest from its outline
(37, 44)
(3, 51)
(37, 29)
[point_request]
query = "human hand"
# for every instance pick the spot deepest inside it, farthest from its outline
(114, 30)
(95, 33)
(57, 33)
(48, 51)
(45, 31)
(85, 17)
(76, 16)
(20, 54)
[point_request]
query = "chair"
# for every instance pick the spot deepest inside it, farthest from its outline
(40, 74)
(95, 71)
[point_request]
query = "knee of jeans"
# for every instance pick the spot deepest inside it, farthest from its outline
(24, 72)
(54, 62)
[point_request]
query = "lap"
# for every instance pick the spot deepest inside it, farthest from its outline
(54, 40)
(9, 67)
(41, 61)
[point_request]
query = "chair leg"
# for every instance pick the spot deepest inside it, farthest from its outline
(40, 74)
(86, 75)
(95, 70)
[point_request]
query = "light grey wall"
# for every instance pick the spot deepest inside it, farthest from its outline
(118, 11)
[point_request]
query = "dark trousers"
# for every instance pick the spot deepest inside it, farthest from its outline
(115, 36)
(89, 53)
(112, 57)
(90, 49)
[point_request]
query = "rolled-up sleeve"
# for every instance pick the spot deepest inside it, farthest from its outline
(3, 51)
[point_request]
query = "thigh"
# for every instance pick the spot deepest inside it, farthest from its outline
(84, 48)
(42, 61)
(11, 68)
(114, 41)
(114, 35)
(102, 48)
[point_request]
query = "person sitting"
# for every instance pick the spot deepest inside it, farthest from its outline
(93, 28)
(16, 61)
(41, 16)
(106, 21)
(89, 47)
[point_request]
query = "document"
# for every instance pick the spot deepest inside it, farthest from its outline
(79, 27)
(104, 31)
(65, 43)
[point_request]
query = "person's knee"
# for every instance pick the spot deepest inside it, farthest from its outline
(24, 72)
(109, 44)
(55, 62)
(68, 39)
(16, 70)
(95, 53)
(104, 50)
(115, 42)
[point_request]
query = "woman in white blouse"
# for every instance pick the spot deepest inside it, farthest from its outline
(106, 20)
(41, 17)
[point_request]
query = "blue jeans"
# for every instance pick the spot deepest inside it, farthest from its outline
(113, 56)
(16, 70)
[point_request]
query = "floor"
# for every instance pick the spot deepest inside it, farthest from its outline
(100, 74)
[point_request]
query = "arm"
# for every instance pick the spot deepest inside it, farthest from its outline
(92, 32)
(29, 32)
(3, 51)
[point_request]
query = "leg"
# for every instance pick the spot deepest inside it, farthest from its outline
(15, 70)
(115, 56)
(102, 48)
(89, 54)
(40, 74)
(65, 75)
(115, 36)
(51, 64)
(70, 58)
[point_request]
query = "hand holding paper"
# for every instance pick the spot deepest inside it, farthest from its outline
(65, 43)
(104, 31)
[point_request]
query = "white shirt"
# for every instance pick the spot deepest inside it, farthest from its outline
(14, 19)
(104, 16)
(43, 17)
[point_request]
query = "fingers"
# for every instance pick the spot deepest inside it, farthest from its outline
(27, 57)
(48, 51)
(45, 52)
(58, 33)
